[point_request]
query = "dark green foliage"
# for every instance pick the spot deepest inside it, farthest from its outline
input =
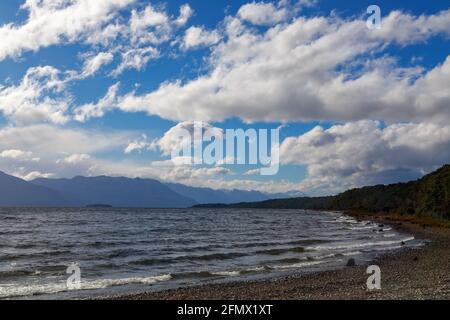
(432, 194)
(427, 197)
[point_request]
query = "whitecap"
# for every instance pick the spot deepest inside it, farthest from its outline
(7, 291)
(226, 273)
(358, 245)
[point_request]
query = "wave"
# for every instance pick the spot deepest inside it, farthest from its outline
(352, 253)
(209, 274)
(298, 265)
(280, 251)
(32, 255)
(359, 245)
(217, 256)
(9, 291)
(221, 255)
(15, 273)
(226, 273)
(362, 228)
(205, 257)
(279, 243)
(390, 235)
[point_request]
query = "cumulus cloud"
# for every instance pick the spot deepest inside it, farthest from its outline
(97, 23)
(42, 95)
(253, 172)
(364, 153)
(265, 65)
(105, 37)
(33, 175)
(98, 109)
(141, 36)
(19, 155)
(198, 37)
(183, 135)
(75, 159)
(52, 22)
(64, 152)
(309, 69)
(94, 63)
(186, 13)
(260, 13)
(49, 142)
(341, 157)
(136, 59)
(216, 178)
(38, 98)
(139, 145)
(406, 29)
(190, 175)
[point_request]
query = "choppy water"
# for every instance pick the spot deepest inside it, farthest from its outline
(121, 250)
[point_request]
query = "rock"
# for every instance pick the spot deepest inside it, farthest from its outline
(351, 263)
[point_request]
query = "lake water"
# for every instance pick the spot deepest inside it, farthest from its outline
(128, 250)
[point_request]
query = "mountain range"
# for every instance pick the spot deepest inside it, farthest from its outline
(426, 197)
(429, 196)
(113, 191)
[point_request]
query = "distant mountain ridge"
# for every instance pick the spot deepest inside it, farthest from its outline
(208, 195)
(112, 191)
(117, 192)
(15, 192)
(429, 196)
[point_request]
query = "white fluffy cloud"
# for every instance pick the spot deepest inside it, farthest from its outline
(45, 144)
(19, 155)
(253, 172)
(52, 22)
(363, 153)
(341, 157)
(309, 69)
(94, 63)
(137, 41)
(97, 23)
(198, 37)
(260, 13)
(139, 145)
(38, 98)
(33, 175)
(136, 59)
(192, 175)
(75, 159)
(99, 108)
(265, 65)
(186, 13)
(176, 139)
(49, 140)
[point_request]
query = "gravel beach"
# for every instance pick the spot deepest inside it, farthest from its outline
(406, 274)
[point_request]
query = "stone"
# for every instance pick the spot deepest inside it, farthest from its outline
(351, 263)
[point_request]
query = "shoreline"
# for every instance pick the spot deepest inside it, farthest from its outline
(410, 273)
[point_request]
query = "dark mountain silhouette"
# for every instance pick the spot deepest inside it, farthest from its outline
(429, 197)
(117, 192)
(15, 192)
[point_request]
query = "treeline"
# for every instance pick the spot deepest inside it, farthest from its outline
(429, 196)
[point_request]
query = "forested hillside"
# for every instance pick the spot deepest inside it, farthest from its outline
(429, 196)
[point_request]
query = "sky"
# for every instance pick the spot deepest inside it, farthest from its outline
(99, 88)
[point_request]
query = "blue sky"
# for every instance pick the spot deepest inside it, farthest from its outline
(372, 93)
